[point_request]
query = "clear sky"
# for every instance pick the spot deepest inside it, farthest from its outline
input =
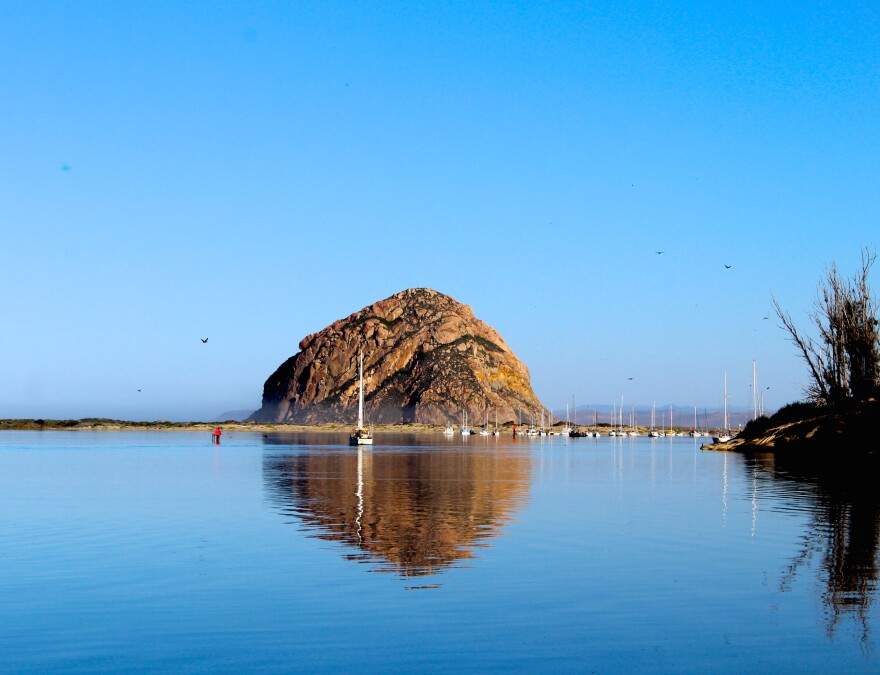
(251, 171)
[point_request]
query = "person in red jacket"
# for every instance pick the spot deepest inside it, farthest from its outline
(216, 435)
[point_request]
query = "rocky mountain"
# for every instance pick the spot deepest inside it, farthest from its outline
(426, 358)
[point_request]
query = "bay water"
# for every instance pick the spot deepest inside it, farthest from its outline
(160, 552)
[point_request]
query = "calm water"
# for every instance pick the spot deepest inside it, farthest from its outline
(157, 551)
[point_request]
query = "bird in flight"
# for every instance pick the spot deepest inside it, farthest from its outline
(629, 378)
(204, 341)
(766, 317)
(727, 267)
(659, 252)
(65, 167)
(138, 389)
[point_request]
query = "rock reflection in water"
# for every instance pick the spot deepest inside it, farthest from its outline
(419, 511)
(844, 530)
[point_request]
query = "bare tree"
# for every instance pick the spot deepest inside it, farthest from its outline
(845, 362)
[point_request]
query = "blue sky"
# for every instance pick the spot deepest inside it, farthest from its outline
(250, 172)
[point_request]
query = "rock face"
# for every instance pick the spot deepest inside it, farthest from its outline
(426, 359)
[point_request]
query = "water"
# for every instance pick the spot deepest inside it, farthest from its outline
(157, 551)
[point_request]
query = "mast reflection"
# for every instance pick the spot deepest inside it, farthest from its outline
(415, 513)
(843, 534)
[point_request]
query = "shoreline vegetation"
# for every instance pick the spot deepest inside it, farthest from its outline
(105, 424)
(840, 416)
(808, 428)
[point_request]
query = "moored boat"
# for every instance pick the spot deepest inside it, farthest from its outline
(360, 435)
(725, 435)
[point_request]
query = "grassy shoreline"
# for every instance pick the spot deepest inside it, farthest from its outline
(104, 424)
(101, 424)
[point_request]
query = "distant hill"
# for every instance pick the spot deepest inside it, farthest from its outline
(235, 415)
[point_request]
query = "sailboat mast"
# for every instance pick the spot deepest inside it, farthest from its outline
(726, 426)
(755, 389)
(361, 393)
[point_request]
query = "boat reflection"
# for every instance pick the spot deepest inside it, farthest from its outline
(843, 535)
(414, 512)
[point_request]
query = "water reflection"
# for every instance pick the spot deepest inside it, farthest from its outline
(415, 511)
(843, 533)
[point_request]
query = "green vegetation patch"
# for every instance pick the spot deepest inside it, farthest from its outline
(90, 423)
(385, 322)
(488, 345)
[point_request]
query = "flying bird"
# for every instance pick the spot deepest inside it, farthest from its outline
(138, 389)
(659, 252)
(629, 378)
(727, 267)
(204, 341)
(65, 167)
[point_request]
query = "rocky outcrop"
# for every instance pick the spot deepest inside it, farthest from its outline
(426, 359)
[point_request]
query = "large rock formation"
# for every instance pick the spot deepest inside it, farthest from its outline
(426, 358)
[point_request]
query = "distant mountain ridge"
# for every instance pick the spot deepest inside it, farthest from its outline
(427, 358)
(234, 415)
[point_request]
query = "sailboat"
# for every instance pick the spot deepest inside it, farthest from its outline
(566, 430)
(485, 430)
(496, 432)
(360, 435)
(464, 427)
(724, 436)
(532, 430)
(654, 433)
(695, 432)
